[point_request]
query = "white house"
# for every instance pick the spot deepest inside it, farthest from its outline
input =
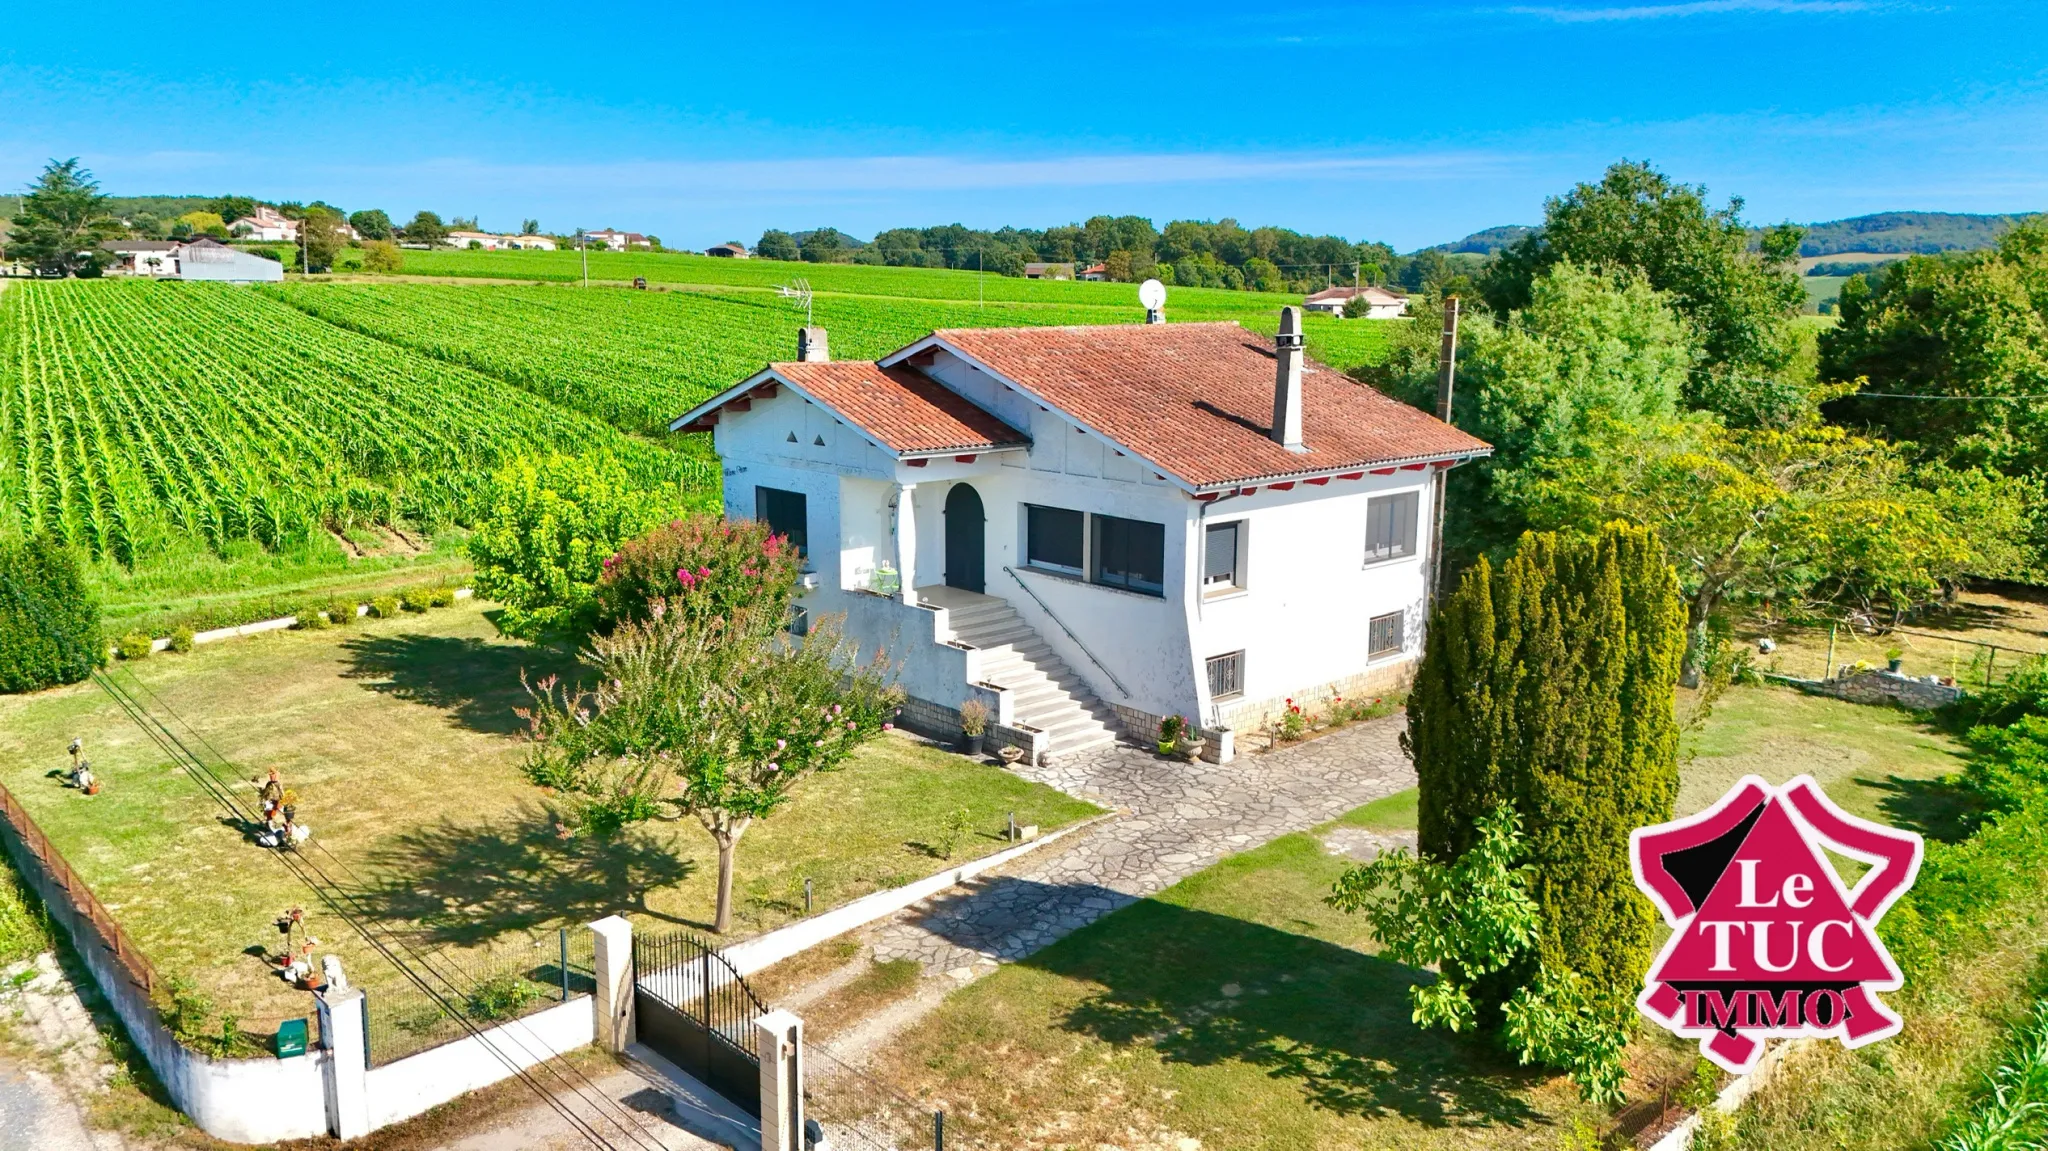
(618, 241)
(265, 224)
(530, 243)
(488, 241)
(142, 257)
(1380, 303)
(1091, 528)
(210, 260)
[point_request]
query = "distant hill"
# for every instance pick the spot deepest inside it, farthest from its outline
(1906, 232)
(1488, 241)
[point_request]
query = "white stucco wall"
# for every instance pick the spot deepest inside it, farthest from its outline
(403, 1089)
(1302, 616)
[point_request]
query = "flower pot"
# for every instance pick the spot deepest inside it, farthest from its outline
(1166, 747)
(1010, 754)
(971, 744)
(1893, 665)
(1191, 749)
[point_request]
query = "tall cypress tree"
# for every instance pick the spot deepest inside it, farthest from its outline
(1548, 684)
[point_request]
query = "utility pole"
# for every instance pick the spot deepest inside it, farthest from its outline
(583, 247)
(1446, 374)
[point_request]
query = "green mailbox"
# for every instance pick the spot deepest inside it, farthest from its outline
(291, 1038)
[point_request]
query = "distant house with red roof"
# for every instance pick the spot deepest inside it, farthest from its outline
(618, 241)
(1379, 303)
(1089, 529)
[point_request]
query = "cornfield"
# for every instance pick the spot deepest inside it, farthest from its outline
(132, 412)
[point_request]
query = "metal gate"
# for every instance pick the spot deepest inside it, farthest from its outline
(692, 1007)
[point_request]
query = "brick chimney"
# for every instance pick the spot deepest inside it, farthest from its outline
(810, 346)
(1287, 348)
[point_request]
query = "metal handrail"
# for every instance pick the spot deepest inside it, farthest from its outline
(1070, 631)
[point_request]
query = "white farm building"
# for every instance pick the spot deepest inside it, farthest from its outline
(1091, 528)
(1376, 302)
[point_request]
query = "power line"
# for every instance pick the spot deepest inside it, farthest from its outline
(333, 893)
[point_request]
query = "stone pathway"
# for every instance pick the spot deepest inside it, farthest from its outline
(1174, 820)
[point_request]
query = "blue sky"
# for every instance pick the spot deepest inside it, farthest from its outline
(1411, 122)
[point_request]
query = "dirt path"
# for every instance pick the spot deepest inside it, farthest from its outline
(53, 1062)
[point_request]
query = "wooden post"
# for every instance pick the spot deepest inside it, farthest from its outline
(1830, 672)
(1446, 375)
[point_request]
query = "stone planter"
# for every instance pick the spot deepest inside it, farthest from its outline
(1190, 750)
(1011, 755)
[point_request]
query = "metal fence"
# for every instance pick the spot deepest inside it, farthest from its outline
(860, 1111)
(1823, 652)
(489, 988)
(60, 886)
(692, 1006)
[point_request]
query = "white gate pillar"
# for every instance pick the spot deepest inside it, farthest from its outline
(344, 1032)
(779, 1037)
(613, 966)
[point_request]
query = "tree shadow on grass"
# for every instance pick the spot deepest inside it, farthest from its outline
(465, 884)
(1934, 808)
(1205, 989)
(476, 682)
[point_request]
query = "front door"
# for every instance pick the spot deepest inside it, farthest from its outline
(966, 547)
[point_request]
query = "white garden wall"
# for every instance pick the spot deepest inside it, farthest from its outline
(410, 1086)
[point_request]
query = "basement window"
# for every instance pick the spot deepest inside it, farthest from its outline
(1383, 635)
(1226, 676)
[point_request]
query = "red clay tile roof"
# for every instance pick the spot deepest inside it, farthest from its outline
(1197, 400)
(903, 408)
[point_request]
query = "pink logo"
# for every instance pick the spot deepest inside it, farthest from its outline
(1766, 940)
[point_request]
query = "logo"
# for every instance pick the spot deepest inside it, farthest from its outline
(1766, 939)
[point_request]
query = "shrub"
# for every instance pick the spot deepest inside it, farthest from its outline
(502, 997)
(310, 619)
(973, 718)
(49, 618)
(959, 825)
(341, 612)
(182, 640)
(441, 597)
(135, 645)
(382, 256)
(384, 606)
(701, 566)
(189, 1017)
(416, 599)
(553, 521)
(2008, 765)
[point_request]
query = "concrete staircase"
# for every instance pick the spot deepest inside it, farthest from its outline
(1046, 692)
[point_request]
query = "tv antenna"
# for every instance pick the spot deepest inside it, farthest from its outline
(798, 292)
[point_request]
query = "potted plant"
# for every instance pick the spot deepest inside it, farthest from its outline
(1191, 741)
(1170, 730)
(973, 726)
(1894, 657)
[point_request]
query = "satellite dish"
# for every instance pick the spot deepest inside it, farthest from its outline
(1152, 294)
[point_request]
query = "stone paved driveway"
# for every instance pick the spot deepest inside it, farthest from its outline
(1174, 819)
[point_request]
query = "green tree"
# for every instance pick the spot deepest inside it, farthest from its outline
(725, 711)
(1740, 302)
(1547, 685)
(371, 224)
(425, 228)
(49, 617)
(529, 227)
(1810, 519)
(551, 524)
(63, 219)
(232, 208)
(1960, 325)
(323, 239)
(775, 245)
(382, 256)
(202, 224)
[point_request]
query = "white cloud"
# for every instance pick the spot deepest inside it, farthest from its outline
(1688, 8)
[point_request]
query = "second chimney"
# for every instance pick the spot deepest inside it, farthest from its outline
(1287, 348)
(810, 346)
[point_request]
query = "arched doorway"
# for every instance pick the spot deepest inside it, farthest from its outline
(966, 543)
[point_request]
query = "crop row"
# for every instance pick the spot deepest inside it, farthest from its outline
(132, 411)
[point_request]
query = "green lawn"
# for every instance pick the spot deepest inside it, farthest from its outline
(1236, 1009)
(400, 739)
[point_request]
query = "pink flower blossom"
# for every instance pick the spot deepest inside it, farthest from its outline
(888, 727)
(684, 577)
(835, 709)
(850, 725)
(703, 573)
(773, 768)
(779, 745)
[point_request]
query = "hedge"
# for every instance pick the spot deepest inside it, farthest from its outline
(49, 617)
